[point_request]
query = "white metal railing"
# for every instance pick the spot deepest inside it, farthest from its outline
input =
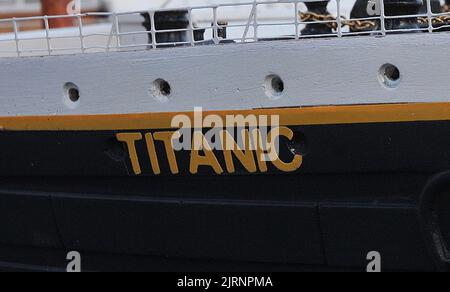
(124, 31)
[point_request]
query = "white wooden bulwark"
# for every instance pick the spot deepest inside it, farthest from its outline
(231, 76)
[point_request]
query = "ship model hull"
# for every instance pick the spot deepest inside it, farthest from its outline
(362, 167)
(369, 178)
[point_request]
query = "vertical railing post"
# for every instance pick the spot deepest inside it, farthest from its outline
(383, 17)
(47, 34)
(116, 23)
(338, 19)
(249, 21)
(16, 36)
(111, 34)
(429, 16)
(297, 22)
(255, 23)
(191, 28)
(215, 26)
(80, 28)
(153, 29)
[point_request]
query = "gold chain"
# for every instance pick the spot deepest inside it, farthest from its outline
(356, 25)
(353, 24)
(440, 20)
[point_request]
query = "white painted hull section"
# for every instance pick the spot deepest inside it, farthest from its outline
(315, 72)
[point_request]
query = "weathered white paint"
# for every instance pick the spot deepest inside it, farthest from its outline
(315, 72)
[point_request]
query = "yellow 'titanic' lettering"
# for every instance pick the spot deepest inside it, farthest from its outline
(259, 148)
(254, 144)
(167, 139)
(298, 159)
(151, 149)
(246, 158)
(130, 139)
(209, 159)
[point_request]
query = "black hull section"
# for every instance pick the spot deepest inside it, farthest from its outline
(361, 188)
(326, 149)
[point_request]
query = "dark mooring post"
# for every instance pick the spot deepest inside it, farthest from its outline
(360, 10)
(319, 7)
(402, 7)
(177, 20)
(168, 20)
(435, 6)
(396, 7)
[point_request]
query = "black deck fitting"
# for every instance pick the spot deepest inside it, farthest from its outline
(396, 8)
(360, 10)
(170, 20)
(402, 7)
(317, 28)
(435, 7)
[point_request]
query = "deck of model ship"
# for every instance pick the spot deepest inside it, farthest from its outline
(210, 25)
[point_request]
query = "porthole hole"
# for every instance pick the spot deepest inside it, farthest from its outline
(390, 75)
(71, 94)
(74, 94)
(161, 90)
(115, 150)
(274, 86)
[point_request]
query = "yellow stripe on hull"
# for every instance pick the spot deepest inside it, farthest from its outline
(320, 115)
